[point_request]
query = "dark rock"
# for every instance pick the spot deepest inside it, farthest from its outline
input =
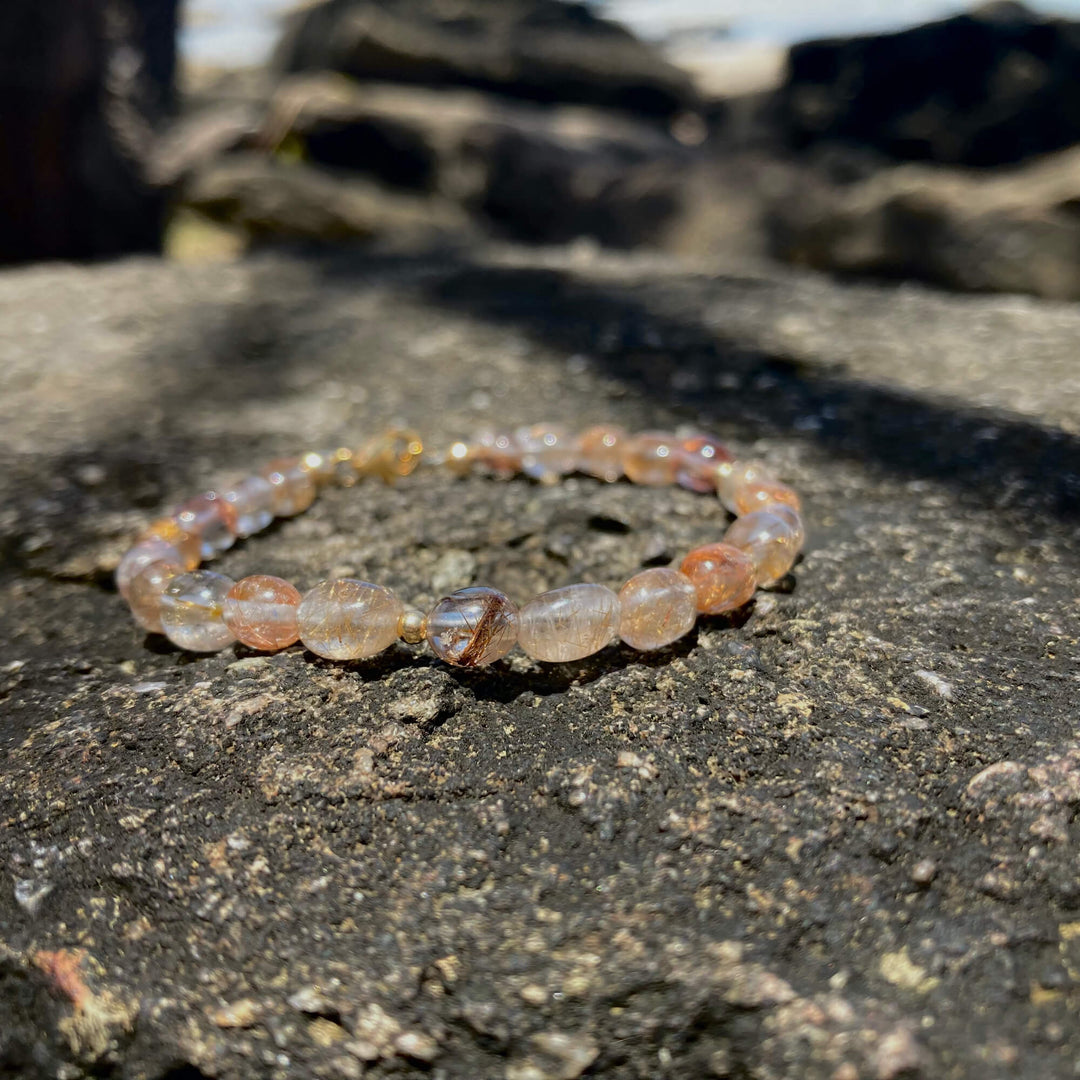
(1015, 231)
(84, 86)
(992, 86)
(540, 50)
(271, 200)
(632, 866)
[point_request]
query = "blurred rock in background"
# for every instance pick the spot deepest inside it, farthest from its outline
(83, 86)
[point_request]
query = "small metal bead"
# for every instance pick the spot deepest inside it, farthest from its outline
(412, 626)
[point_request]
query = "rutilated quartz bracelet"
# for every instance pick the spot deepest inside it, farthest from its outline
(347, 619)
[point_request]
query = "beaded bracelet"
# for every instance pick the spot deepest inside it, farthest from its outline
(347, 619)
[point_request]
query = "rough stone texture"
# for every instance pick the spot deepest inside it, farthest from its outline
(987, 87)
(539, 50)
(833, 838)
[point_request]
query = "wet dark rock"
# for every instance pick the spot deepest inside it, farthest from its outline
(539, 50)
(834, 837)
(988, 87)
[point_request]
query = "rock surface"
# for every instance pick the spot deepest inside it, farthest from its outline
(539, 50)
(832, 838)
(988, 87)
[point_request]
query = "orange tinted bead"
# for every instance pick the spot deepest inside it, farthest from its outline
(187, 544)
(733, 476)
(391, 455)
(600, 452)
(261, 612)
(699, 456)
(761, 495)
(650, 458)
(723, 577)
(500, 454)
(293, 487)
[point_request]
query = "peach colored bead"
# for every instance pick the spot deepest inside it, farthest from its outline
(650, 458)
(699, 456)
(723, 577)
(293, 488)
(764, 495)
(733, 476)
(187, 544)
(136, 559)
(600, 452)
(253, 500)
(211, 519)
(499, 454)
(472, 627)
(657, 607)
(144, 596)
(261, 612)
(569, 623)
(192, 611)
(769, 540)
(548, 451)
(347, 619)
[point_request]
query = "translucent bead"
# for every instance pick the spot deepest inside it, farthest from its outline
(657, 607)
(412, 626)
(136, 559)
(253, 500)
(569, 623)
(186, 543)
(764, 494)
(548, 451)
(723, 576)
(347, 619)
(650, 458)
(600, 452)
(794, 519)
(472, 627)
(293, 488)
(733, 476)
(212, 520)
(144, 595)
(261, 612)
(769, 540)
(193, 611)
(321, 466)
(390, 455)
(499, 454)
(699, 457)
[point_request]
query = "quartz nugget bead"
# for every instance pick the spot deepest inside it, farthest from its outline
(347, 619)
(253, 501)
(144, 554)
(499, 454)
(472, 627)
(600, 452)
(788, 513)
(144, 595)
(186, 543)
(650, 458)
(261, 612)
(763, 495)
(548, 451)
(569, 623)
(657, 607)
(723, 577)
(293, 487)
(769, 540)
(733, 476)
(211, 519)
(193, 611)
(699, 457)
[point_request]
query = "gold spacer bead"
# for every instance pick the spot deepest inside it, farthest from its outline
(412, 626)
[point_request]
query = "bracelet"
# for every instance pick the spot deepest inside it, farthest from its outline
(347, 619)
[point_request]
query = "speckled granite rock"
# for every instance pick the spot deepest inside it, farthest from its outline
(834, 838)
